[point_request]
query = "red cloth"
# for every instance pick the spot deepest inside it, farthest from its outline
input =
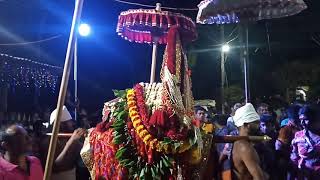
(196, 123)
(9, 171)
(173, 34)
(141, 25)
(104, 150)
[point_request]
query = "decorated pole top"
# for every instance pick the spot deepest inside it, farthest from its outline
(150, 25)
(158, 7)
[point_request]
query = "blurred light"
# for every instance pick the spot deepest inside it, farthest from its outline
(225, 48)
(84, 29)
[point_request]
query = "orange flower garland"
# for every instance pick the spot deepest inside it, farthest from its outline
(137, 123)
(143, 133)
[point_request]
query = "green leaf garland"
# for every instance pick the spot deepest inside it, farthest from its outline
(127, 153)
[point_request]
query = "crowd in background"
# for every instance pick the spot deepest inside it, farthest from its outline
(292, 153)
(294, 149)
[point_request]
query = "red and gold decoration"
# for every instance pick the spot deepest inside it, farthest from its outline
(143, 25)
(152, 26)
(147, 131)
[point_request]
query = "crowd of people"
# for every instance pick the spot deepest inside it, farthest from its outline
(292, 153)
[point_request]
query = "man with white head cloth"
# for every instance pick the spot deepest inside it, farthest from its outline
(244, 156)
(67, 150)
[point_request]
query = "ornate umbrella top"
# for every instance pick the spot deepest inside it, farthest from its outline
(150, 25)
(232, 11)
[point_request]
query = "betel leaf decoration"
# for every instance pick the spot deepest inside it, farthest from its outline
(127, 154)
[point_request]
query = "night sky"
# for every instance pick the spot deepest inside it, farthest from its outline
(106, 61)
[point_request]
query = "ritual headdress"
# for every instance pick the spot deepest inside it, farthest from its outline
(66, 116)
(245, 114)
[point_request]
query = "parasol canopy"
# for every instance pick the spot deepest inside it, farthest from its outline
(143, 25)
(152, 26)
(232, 11)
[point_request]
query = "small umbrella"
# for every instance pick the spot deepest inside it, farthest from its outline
(151, 26)
(234, 11)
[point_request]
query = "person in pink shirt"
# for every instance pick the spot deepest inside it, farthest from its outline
(305, 155)
(14, 164)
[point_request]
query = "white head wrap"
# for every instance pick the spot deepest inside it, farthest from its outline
(245, 114)
(66, 116)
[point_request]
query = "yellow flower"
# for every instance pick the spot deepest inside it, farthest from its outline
(136, 123)
(133, 113)
(139, 128)
(130, 91)
(208, 128)
(153, 143)
(143, 133)
(131, 109)
(131, 103)
(135, 118)
(147, 138)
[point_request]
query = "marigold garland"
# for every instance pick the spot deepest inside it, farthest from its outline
(148, 139)
(133, 154)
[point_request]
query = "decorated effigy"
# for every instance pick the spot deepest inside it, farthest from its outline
(148, 131)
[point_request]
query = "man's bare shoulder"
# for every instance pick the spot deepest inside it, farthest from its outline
(243, 146)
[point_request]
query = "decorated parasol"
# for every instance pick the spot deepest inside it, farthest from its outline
(243, 11)
(152, 26)
(234, 11)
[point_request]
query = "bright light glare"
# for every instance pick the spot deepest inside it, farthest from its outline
(225, 48)
(84, 29)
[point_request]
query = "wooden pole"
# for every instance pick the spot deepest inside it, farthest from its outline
(155, 40)
(63, 89)
(232, 139)
(247, 63)
(75, 78)
(223, 73)
(154, 62)
(244, 57)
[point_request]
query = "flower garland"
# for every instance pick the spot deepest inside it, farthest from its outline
(133, 154)
(167, 145)
(153, 95)
(137, 122)
(141, 104)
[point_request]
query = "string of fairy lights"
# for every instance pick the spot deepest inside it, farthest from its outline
(23, 72)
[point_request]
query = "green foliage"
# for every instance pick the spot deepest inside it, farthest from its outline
(127, 153)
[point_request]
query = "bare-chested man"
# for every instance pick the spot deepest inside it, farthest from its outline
(67, 150)
(244, 156)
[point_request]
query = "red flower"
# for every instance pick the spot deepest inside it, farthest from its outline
(141, 104)
(129, 124)
(196, 123)
(172, 134)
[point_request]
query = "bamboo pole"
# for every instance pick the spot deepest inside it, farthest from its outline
(232, 139)
(154, 52)
(216, 139)
(154, 62)
(223, 72)
(63, 89)
(75, 78)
